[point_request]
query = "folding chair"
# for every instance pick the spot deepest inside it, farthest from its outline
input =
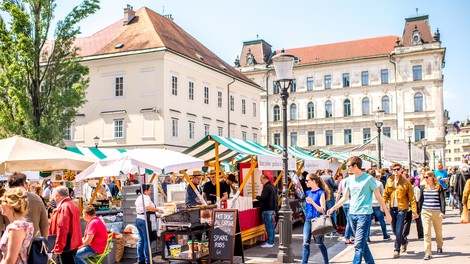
(98, 259)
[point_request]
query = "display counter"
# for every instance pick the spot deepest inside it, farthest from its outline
(251, 224)
(177, 247)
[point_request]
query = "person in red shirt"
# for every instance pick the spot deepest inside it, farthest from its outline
(65, 225)
(95, 236)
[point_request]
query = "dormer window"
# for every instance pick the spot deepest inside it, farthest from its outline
(416, 37)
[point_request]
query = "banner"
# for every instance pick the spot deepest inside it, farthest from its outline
(275, 163)
(394, 150)
(314, 165)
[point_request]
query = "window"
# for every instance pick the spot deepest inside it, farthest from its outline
(466, 140)
(365, 78)
(417, 73)
(293, 87)
(206, 95)
(345, 79)
(277, 113)
(174, 127)
(174, 85)
(387, 131)
(448, 159)
(255, 137)
(219, 99)
(119, 86)
(347, 107)
(244, 135)
(118, 128)
(457, 159)
(328, 109)
(254, 109)
(232, 103)
(327, 81)
(310, 110)
(293, 138)
(275, 88)
(329, 137)
(190, 90)
(365, 106)
(384, 76)
(311, 138)
(243, 106)
(419, 133)
(457, 150)
(386, 104)
(191, 129)
(220, 131)
(293, 112)
(277, 139)
(418, 102)
(347, 136)
(447, 151)
(310, 84)
(366, 134)
(207, 129)
(456, 141)
(68, 133)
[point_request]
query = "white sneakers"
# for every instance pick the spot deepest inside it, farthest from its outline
(267, 245)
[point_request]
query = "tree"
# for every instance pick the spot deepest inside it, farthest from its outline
(42, 83)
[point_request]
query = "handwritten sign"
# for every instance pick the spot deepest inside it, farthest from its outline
(226, 236)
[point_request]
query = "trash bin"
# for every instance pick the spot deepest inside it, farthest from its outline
(110, 258)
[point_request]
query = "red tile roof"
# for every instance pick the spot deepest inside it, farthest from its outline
(345, 50)
(150, 30)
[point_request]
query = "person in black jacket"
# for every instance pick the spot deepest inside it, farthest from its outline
(268, 201)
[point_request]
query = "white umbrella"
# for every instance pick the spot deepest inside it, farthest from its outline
(22, 154)
(158, 160)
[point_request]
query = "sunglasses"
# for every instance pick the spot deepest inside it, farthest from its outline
(397, 169)
(350, 165)
(426, 177)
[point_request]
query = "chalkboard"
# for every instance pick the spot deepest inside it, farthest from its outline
(225, 235)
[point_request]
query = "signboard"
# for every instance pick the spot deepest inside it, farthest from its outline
(275, 163)
(225, 234)
(314, 165)
(395, 150)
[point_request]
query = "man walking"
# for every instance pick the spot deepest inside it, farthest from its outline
(400, 195)
(268, 201)
(359, 188)
(37, 213)
(65, 224)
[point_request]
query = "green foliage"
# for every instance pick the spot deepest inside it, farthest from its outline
(42, 83)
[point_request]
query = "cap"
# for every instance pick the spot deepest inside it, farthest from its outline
(232, 178)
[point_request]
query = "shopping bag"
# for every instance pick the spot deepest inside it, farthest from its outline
(464, 217)
(322, 225)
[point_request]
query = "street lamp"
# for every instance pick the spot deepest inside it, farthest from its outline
(379, 115)
(409, 132)
(424, 141)
(97, 140)
(283, 65)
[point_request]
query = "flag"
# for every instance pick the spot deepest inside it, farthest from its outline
(456, 126)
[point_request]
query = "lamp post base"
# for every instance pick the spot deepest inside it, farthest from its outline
(285, 254)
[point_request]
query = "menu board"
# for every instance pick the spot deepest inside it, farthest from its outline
(225, 234)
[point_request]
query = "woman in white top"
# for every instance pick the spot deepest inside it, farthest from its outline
(143, 254)
(341, 190)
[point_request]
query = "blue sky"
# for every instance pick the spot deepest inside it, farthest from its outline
(223, 25)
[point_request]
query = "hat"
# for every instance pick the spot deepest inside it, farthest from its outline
(212, 172)
(231, 178)
(196, 173)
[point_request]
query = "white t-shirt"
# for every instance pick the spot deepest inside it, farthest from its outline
(375, 202)
(139, 209)
(342, 184)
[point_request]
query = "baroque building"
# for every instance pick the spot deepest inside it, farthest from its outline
(339, 86)
(153, 85)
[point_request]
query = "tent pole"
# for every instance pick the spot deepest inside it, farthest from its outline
(217, 169)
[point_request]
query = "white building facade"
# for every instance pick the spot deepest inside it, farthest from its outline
(339, 86)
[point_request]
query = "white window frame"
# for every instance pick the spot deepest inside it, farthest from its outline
(206, 95)
(118, 86)
(174, 127)
(243, 106)
(174, 85)
(191, 128)
(118, 128)
(191, 90)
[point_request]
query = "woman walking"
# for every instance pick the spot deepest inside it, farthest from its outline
(315, 205)
(432, 203)
(18, 234)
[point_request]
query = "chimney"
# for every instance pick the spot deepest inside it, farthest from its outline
(129, 14)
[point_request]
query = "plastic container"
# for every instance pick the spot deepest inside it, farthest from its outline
(175, 251)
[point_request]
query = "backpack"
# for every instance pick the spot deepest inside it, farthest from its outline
(38, 251)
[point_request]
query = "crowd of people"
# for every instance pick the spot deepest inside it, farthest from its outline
(388, 195)
(25, 217)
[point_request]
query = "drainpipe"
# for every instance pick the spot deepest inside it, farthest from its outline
(228, 107)
(396, 93)
(267, 105)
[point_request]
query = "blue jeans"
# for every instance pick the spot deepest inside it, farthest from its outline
(142, 243)
(360, 224)
(380, 216)
(398, 222)
(330, 203)
(307, 235)
(268, 218)
(83, 253)
(348, 231)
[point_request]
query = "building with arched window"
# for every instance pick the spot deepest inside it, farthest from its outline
(348, 81)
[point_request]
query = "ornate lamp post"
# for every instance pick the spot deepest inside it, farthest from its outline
(424, 141)
(409, 132)
(97, 140)
(379, 115)
(283, 65)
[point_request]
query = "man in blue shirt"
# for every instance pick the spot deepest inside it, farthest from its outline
(191, 196)
(441, 175)
(359, 189)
